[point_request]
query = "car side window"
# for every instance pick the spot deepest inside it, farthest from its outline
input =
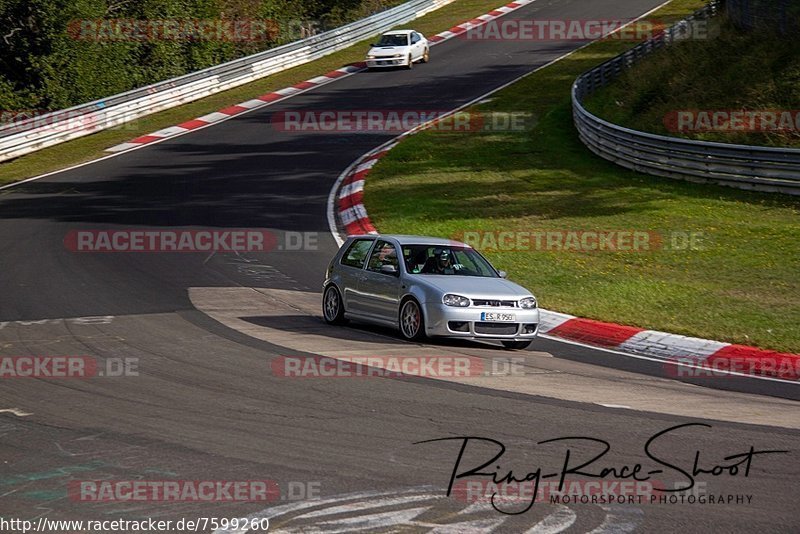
(414, 38)
(384, 254)
(356, 254)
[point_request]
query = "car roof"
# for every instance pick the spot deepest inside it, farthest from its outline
(419, 240)
(398, 32)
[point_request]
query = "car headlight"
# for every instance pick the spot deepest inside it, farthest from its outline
(397, 56)
(371, 56)
(455, 300)
(528, 303)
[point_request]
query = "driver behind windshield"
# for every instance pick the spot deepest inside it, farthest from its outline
(444, 260)
(440, 263)
(393, 40)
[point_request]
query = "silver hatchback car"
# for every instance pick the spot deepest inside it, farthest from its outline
(427, 286)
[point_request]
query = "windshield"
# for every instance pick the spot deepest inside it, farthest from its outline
(393, 40)
(446, 260)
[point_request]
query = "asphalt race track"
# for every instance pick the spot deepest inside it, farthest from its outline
(205, 331)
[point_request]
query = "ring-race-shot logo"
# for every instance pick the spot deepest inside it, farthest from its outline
(597, 492)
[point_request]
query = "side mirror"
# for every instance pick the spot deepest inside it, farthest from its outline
(372, 45)
(503, 274)
(389, 269)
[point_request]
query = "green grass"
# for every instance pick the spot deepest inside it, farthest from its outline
(742, 286)
(93, 146)
(736, 70)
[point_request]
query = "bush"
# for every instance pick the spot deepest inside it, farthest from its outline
(50, 61)
(738, 70)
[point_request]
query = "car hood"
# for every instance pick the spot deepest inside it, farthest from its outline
(387, 50)
(474, 286)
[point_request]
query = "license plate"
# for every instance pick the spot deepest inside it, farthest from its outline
(492, 317)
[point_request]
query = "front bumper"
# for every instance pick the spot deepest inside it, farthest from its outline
(449, 321)
(386, 62)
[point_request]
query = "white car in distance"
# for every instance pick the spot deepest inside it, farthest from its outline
(400, 48)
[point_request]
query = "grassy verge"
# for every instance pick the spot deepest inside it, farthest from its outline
(736, 70)
(93, 146)
(738, 284)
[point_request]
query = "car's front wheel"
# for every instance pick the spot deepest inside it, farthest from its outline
(517, 345)
(426, 56)
(412, 323)
(410, 62)
(332, 306)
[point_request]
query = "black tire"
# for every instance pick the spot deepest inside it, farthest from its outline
(410, 63)
(333, 306)
(426, 56)
(411, 329)
(517, 345)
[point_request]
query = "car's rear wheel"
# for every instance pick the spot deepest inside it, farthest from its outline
(426, 56)
(412, 323)
(410, 62)
(333, 306)
(516, 345)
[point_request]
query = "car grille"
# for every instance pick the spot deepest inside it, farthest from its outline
(495, 303)
(499, 329)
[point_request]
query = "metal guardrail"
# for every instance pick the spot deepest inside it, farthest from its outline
(743, 166)
(56, 127)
